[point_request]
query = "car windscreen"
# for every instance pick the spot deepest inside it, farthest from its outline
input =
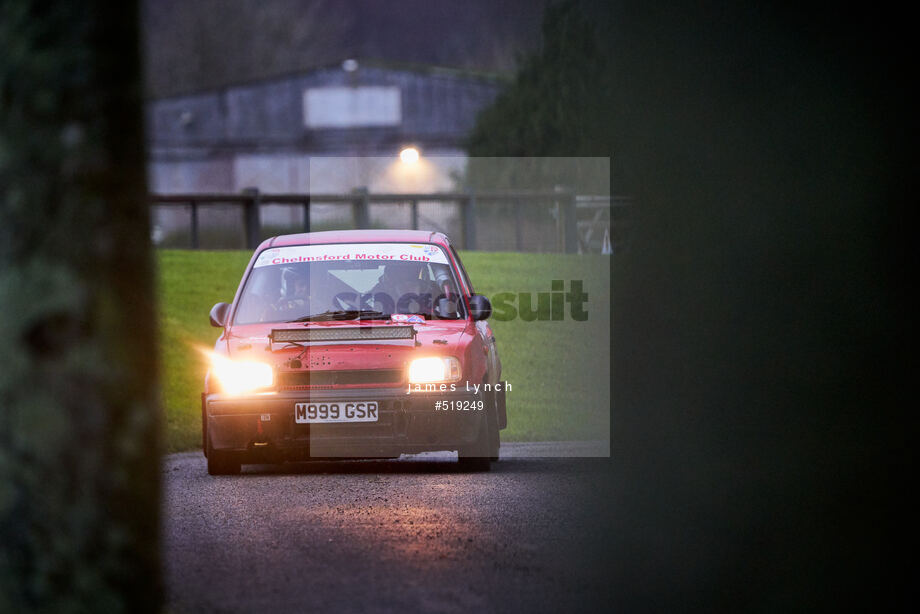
(347, 280)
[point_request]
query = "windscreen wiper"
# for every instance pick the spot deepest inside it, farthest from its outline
(343, 314)
(370, 314)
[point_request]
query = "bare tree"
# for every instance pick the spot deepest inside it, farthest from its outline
(195, 45)
(191, 46)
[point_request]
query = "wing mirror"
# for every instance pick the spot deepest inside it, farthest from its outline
(219, 315)
(480, 307)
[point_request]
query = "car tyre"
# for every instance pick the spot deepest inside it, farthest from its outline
(479, 455)
(221, 462)
(494, 437)
(476, 464)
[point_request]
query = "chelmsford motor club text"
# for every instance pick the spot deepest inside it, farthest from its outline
(406, 257)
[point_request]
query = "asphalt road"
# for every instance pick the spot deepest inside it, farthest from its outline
(411, 535)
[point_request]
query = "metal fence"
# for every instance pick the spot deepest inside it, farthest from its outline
(501, 221)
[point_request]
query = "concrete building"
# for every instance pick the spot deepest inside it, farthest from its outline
(327, 130)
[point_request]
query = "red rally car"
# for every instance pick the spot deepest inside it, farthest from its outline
(352, 344)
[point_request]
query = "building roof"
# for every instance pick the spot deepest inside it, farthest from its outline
(436, 109)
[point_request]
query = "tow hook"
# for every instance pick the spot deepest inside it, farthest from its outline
(260, 434)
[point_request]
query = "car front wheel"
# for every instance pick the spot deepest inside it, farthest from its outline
(479, 455)
(221, 462)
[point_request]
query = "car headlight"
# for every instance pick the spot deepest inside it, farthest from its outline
(434, 370)
(237, 377)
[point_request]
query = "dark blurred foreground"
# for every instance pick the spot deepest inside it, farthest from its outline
(761, 326)
(79, 452)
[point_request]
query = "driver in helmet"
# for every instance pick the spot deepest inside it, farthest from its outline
(403, 288)
(296, 291)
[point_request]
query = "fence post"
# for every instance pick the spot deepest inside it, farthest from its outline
(193, 224)
(306, 214)
(518, 226)
(251, 224)
(469, 222)
(414, 214)
(569, 223)
(362, 219)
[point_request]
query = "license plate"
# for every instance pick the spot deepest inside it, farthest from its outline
(338, 411)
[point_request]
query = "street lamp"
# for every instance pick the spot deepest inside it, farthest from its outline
(409, 155)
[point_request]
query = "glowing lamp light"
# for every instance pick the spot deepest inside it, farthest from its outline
(434, 369)
(237, 377)
(409, 155)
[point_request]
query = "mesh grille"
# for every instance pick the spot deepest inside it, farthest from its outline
(296, 379)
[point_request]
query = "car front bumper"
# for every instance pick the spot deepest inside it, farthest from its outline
(264, 426)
